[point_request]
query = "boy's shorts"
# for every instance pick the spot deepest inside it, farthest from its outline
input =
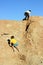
(16, 44)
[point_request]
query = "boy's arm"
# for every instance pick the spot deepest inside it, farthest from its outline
(8, 42)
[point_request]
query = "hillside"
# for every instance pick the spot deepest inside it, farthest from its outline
(30, 42)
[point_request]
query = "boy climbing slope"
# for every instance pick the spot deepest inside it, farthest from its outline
(13, 43)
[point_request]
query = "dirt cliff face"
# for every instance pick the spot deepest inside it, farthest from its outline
(30, 42)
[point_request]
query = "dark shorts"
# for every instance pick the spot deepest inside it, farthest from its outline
(26, 14)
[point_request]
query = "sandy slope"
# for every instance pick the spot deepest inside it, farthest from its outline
(30, 43)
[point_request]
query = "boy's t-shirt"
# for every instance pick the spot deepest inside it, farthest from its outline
(13, 41)
(28, 11)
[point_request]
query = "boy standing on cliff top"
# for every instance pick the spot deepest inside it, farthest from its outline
(27, 14)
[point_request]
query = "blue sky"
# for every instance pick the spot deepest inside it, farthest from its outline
(14, 9)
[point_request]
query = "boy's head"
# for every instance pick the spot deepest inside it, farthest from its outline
(30, 10)
(12, 37)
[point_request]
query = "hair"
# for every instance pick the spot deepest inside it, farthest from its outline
(30, 10)
(12, 37)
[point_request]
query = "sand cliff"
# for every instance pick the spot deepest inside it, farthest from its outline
(30, 43)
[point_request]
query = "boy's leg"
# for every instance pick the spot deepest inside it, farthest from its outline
(12, 47)
(15, 45)
(24, 19)
(16, 48)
